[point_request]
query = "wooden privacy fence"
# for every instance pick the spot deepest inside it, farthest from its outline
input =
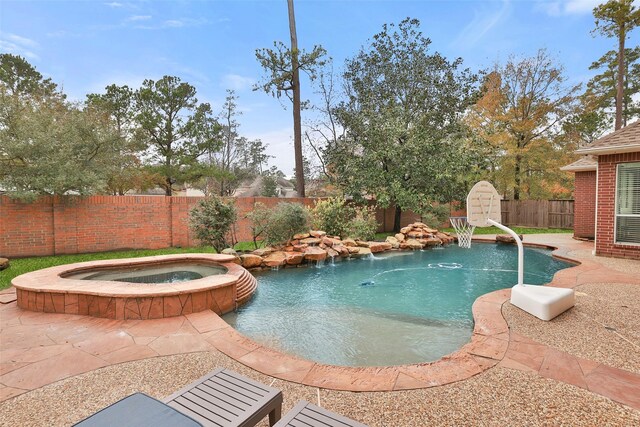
(538, 213)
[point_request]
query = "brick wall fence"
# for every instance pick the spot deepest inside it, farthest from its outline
(69, 225)
(584, 219)
(605, 240)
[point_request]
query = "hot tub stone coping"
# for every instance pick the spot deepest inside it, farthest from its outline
(51, 279)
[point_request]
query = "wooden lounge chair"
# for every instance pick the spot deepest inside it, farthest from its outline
(220, 398)
(226, 398)
(305, 414)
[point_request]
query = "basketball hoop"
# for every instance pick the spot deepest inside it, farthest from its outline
(483, 210)
(464, 230)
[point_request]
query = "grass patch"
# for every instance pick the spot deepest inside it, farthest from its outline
(383, 236)
(248, 246)
(518, 230)
(25, 265)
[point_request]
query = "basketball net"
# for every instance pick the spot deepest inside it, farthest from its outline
(464, 230)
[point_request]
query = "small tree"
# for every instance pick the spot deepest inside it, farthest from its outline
(211, 221)
(332, 215)
(363, 225)
(279, 224)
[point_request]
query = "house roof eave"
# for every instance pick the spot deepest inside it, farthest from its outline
(601, 151)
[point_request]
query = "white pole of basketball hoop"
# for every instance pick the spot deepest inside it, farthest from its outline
(512, 234)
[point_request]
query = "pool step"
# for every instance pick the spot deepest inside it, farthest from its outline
(245, 287)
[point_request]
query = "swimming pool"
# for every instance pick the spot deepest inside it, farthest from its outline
(396, 308)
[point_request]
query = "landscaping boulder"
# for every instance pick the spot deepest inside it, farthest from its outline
(275, 259)
(431, 241)
(300, 236)
(263, 252)
(294, 258)
(300, 248)
(4, 263)
(395, 244)
(349, 242)
(229, 251)
(331, 253)
(353, 249)
(314, 254)
(311, 241)
(376, 247)
(505, 238)
(317, 233)
(445, 237)
(342, 250)
(400, 237)
(411, 244)
(362, 252)
(250, 261)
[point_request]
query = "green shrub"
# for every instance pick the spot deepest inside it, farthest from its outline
(434, 215)
(332, 216)
(278, 225)
(211, 221)
(259, 218)
(363, 225)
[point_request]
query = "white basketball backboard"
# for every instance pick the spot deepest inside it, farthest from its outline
(483, 203)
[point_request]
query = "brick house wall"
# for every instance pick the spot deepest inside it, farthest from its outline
(605, 239)
(584, 216)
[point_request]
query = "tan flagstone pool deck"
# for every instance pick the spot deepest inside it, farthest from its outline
(37, 349)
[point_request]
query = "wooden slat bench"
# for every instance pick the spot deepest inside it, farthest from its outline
(305, 414)
(226, 398)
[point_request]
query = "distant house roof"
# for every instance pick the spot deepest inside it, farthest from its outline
(584, 164)
(253, 188)
(625, 140)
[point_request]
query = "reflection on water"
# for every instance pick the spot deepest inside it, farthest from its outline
(391, 309)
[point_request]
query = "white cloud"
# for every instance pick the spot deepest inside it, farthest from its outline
(114, 4)
(23, 41)
(174, 23)
(237, 82)
(169, 23)
(567, 7)
(135, 18)
(18, 45)
(482, 22)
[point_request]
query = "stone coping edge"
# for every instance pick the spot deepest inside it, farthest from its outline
(52, 279)
(489, 343)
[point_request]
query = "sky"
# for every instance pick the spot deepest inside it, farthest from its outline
(86, 45)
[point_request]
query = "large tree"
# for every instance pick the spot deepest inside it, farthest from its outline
(404, 141)
(176, 128)
(617, 18)
(238, 158)
(603, 87)
(283, 66)
(521, 114)
(49, 146)
(117, 106)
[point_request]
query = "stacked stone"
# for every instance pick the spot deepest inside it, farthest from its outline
(317, 246)
(418, 236)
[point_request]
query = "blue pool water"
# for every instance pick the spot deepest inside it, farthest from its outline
(396, 308)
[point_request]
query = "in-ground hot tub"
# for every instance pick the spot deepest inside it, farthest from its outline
(138, 288)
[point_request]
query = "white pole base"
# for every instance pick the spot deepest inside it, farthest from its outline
(544, 302)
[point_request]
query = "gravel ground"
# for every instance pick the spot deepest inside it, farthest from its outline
(619, 264)
(497, 397)
(603, 326)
